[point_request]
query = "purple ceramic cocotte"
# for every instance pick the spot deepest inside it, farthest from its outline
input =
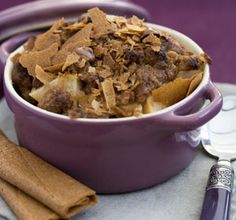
(115, 155)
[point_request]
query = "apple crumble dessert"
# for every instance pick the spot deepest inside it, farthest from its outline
(105, 66)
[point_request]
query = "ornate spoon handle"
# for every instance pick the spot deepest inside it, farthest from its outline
(216, 204)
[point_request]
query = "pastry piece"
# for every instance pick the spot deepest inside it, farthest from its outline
(50, 186)
(24, 206)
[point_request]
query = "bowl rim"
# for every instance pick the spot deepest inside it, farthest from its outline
(182, 38)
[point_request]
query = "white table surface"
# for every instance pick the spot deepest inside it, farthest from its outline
(179, 198)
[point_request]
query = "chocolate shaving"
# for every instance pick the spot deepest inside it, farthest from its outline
(104, 73)
(42, 58)
(135, 28)
(194, 83)
(109, 93)
(133, 109)
(53, 68)
(75, 26)
(154, 41)
(136, 21)
(108, 61)
(70, 59)
(172, 92)
(29, 45)
(80, 39)
(45, 40)
(101, 26)
(119, 20)
(99, 51)
(43, 76)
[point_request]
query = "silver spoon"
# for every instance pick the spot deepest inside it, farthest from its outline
(219, 140)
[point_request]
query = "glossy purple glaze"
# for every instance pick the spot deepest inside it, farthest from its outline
(216, 205)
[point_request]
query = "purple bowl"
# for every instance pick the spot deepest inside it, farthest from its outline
(117, 155)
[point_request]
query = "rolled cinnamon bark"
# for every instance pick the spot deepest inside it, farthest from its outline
(50, 186)
(24, 206)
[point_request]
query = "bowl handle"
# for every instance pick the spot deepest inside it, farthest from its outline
(180, 121)
(6, 48)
